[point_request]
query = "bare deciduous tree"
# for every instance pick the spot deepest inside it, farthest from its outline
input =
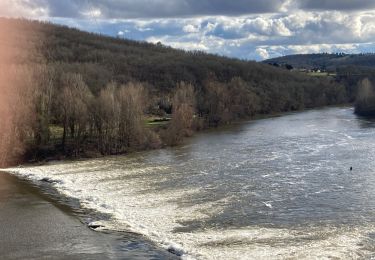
(75, 102)
(182, 115)
(119, 118)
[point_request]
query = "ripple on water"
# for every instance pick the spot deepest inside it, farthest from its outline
(282, 189)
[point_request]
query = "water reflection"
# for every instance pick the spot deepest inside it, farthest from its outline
(366, 122)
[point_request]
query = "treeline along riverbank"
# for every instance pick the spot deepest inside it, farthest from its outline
(85, 94)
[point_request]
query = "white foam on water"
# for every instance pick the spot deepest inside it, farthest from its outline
(127, 195)
(268, 204)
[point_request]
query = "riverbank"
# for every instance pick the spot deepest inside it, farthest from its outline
(48, 155)
(35, 225)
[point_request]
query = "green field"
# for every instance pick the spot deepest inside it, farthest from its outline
(321, 74)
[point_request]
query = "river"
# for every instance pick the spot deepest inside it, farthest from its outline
(272, 188)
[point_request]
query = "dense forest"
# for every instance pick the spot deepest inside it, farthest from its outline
(95, 95)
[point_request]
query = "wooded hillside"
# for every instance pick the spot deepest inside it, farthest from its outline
(97, 93)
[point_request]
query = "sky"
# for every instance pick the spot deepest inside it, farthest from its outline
(245, 29)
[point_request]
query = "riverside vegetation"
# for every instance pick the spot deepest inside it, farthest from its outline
(84, 94)
(365, 102)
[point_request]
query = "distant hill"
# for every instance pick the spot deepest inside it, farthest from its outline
(101, 60)
(325, 61)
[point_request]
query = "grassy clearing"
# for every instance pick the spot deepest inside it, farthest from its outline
(56, 131)
(157, 121)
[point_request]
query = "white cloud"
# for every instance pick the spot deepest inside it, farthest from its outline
(176, 43)
(263, 53)
(317, 48)
(189, 28)
(22, 8)
(92, 13)
(258, 36)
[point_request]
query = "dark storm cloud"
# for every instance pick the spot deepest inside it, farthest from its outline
(159, 8)
(342, 5)
(128, 9)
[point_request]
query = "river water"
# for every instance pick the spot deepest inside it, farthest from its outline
(273, 188)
